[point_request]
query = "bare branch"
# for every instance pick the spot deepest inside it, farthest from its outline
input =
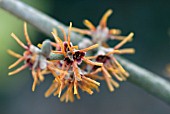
(150, 82)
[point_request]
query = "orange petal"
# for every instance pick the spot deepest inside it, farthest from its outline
(26, 34)
(60, 90)
(76, 71)
(91, 80)
(64, 33)
(127, 51)
(88, 24)
(106, 72)
(96, 71)
(94, 76)
(68, 38)
(51, 89)
(74, 47)
(34, 74)
(114, 31)
(75, 87)
(91, 62)
(55, 32)
(18, 70)
(40, 76)
(90, 48)
(81, 31)
(103, 21)
(19, 41)
(129, 37)
(16, 63)
(14, 54)
(113, 37)
(59, 41)
(112, 52)
(91, 57)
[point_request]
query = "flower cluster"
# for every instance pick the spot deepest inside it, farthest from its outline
(105, 55)
(66, 72)
(110, 64)
(74, 70)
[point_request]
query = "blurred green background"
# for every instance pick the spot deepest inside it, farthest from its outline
(150, 21)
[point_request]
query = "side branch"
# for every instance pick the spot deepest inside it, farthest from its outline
(143, 78)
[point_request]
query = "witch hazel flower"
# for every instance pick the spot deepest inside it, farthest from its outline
(33, 57)
(110, 65)
(101, 33)
(75, 78)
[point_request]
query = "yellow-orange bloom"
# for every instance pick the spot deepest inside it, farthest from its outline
(101, 33)
(33, 58)
(75, 78)
(110, 65)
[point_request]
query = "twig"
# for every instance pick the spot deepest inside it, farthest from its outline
(143, 78)
(41, 21)
(150, 82)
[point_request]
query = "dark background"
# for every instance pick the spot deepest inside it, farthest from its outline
(149, 20)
